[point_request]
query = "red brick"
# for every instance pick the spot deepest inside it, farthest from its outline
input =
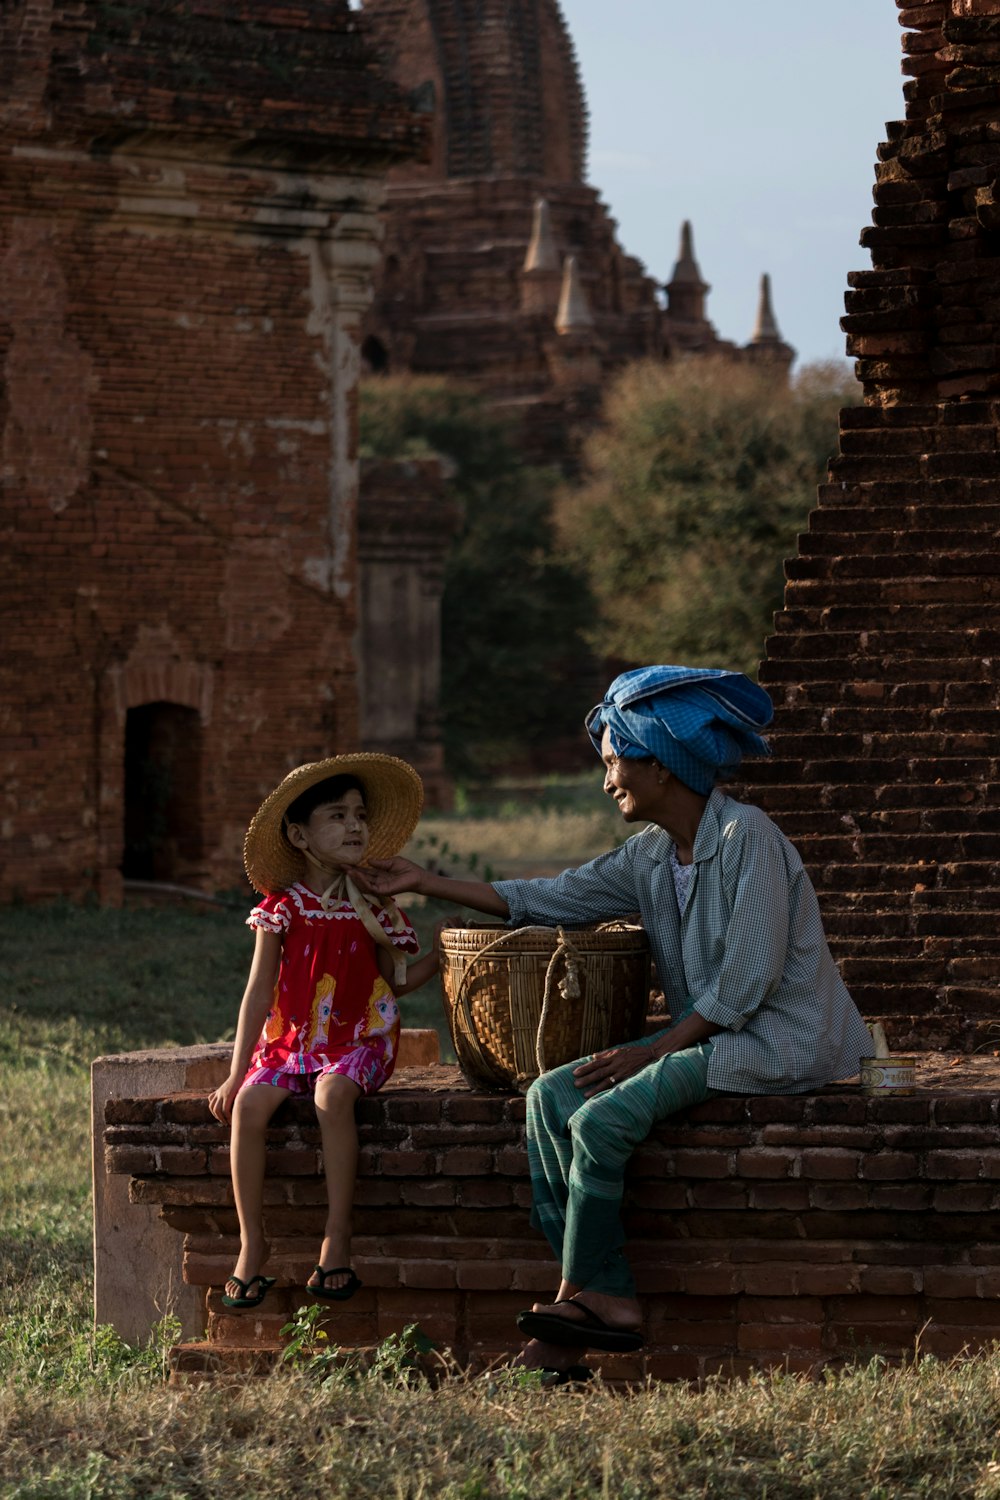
(485, 1275)
(479, 1194)
(475, 1110)
(700, 1335)
(713, 1280)
(783, 1337)
(828, 1281)
(407, 1164)
(426, 1274)
(789, 1197)
(842, 1165)
(430, 1194)
(885, 1165)
(770, 1280)
(465, 1161)
(762, 1163)
(719, 1195)
(702, 1164)
(890, 1281)
(952, 1165)
(951, 1281)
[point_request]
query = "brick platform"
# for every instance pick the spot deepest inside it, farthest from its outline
(797, 1231)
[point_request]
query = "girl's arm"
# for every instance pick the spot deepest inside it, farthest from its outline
(257, 1000)
(388, 877)
(421, 969)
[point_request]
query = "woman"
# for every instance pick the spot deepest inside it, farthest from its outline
(757, 1004)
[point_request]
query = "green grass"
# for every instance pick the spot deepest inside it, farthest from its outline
(84, 1417)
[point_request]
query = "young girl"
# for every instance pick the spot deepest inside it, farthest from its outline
(319, 1013)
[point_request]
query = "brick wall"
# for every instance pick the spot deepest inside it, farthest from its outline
(883, 666)
(188, 228)
(774, 1231)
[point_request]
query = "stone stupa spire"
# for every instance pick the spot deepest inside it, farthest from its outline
(573, 315)
(766, 329)
(766, 346)
(542, 254)
(686, 290)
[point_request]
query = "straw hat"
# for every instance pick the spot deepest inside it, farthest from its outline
(394, 795)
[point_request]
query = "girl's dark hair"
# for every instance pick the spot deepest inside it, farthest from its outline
(330, 790)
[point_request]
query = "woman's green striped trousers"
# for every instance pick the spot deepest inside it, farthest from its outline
(577, 1152)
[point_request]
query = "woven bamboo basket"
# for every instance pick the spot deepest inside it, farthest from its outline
(526, 999)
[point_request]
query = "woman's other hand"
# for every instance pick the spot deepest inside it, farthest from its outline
(609, 1068)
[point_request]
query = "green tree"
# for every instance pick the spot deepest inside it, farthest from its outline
(513, 610)
(694, 489)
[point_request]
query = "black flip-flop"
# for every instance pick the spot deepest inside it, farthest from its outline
(588, 1332)
(245, 1300)
(335, 1293)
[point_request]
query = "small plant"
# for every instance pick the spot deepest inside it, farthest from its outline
(397, 1358)
(309, 1347)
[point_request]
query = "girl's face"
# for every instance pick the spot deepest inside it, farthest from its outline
(335, 832)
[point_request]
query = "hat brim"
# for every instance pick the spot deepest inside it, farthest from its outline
(394, 796)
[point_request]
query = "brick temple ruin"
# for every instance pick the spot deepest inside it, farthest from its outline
(502, 265)
(789, 1232)
(188, 230)
(885, 664)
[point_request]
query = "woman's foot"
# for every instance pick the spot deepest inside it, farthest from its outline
(616, 1312)
(585, 1320)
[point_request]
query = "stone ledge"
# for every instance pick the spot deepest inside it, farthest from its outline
(793, 1230)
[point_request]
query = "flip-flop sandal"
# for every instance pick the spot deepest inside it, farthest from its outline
(588, 1332)
(245, 1299)
(335, 1293)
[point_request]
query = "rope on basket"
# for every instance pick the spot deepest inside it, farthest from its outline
(569, 989)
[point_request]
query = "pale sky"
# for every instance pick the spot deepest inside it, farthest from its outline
(758, 120)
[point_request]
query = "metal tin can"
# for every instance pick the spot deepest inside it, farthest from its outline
(888, 1074)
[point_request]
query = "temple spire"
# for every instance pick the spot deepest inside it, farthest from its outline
(686, 268)
(766, 329)
(686, 290)
(574, 315)
(542, 254)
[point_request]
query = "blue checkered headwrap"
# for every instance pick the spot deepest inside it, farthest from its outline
(698, 722)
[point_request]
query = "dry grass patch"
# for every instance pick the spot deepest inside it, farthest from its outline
(925, 1432)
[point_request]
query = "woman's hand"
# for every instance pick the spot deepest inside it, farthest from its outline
(222, 1099)
(389, 877)
(612, 1067)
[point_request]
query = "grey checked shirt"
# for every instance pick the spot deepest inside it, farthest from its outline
(749, 949)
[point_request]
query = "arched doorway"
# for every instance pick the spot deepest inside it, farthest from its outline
(374, 356)
(162, 792)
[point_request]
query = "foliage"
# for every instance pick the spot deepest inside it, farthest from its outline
(514, 611)
(697, 484)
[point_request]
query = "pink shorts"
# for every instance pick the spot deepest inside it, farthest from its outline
(364, 1066)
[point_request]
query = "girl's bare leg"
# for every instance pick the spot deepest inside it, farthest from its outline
(335, 1100)
(251, 1116)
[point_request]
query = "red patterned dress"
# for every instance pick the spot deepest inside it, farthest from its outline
(332, 1012)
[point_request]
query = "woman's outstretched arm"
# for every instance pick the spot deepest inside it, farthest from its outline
(391, 877)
